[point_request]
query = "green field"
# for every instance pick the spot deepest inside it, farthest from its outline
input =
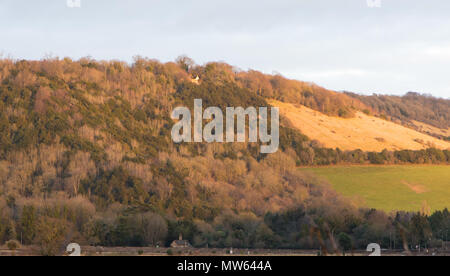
(391, 187)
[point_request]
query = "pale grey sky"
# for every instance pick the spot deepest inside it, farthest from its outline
(340, 44)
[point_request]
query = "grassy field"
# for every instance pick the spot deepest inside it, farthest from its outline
(392, 187)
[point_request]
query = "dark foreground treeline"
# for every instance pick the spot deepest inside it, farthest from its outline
(86, 156)
(52, 226)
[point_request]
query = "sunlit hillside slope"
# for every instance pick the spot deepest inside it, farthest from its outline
(435, 131)
(363, 132)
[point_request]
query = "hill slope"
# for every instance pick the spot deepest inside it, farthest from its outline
(361, 132)
(410, 108)
(431, 130)
(85, 146)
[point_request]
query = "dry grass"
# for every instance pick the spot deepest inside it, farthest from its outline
(431, 129)
(362, 132)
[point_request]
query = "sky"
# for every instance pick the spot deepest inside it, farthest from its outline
(400, 46)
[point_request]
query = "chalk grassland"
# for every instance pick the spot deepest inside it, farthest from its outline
(431, 129)
(392, 188)
(363, 132)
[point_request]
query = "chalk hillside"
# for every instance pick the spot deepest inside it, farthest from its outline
(363, 132)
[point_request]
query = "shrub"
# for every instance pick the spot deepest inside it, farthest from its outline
(345, 241)
(13, 245)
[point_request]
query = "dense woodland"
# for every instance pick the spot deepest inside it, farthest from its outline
(86, 156)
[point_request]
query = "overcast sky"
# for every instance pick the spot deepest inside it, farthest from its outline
(340, 44)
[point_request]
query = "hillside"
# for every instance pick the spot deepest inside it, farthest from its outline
(86, 151)
(411, 108)
(443, 133)
(86, 154)
(363, 132)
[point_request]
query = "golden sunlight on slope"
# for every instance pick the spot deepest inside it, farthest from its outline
(431, 129)
(362, 132)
